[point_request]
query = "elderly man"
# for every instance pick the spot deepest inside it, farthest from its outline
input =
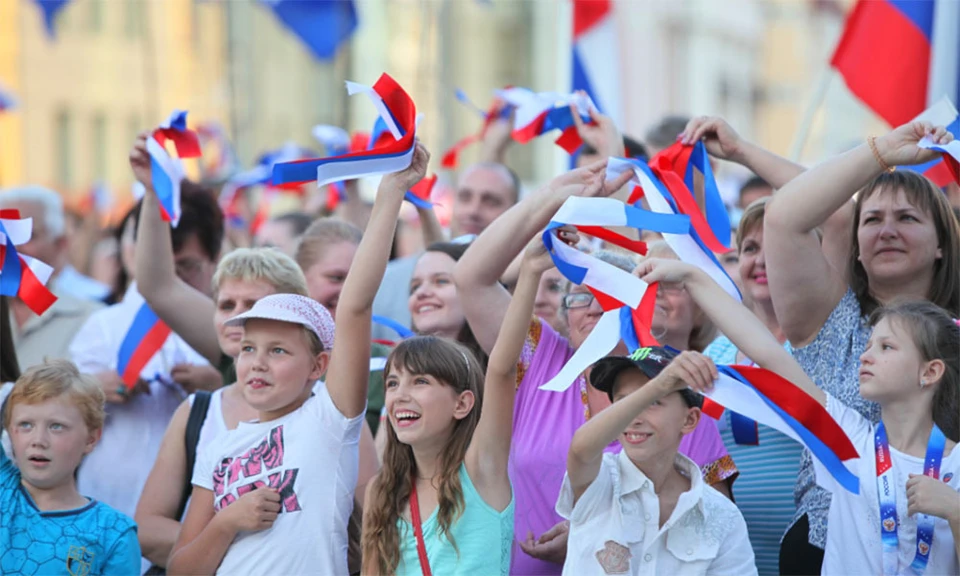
(48, 336)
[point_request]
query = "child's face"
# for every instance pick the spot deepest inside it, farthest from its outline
(891, 364)
(656, 432)
(276, 367)
(422, 409)
(49, 440)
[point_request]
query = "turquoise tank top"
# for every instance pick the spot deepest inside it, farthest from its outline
(483, 536)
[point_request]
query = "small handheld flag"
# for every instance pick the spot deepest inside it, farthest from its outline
(144, 338)
(21, 276)
(538, 113)
(166, 171)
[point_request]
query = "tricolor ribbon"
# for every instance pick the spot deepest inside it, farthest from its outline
(166, 171)
(380, 362)
(398, 113)
(538, 113)
(22, 276)
(772, 400)
(258, 175)
(498, 110)
(144, 338)
(945, 169)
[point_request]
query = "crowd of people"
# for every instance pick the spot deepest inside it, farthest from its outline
(279, 430)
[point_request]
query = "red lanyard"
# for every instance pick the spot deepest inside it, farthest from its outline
(418, 530)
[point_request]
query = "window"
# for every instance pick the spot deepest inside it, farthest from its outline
(100, 155)
(133, 18)
(63, 132)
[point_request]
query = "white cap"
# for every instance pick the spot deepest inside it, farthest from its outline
(295, 309)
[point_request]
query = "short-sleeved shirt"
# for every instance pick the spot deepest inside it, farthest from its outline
(91, 540)
(544, 423)
(615, 526)
(311, 456)
(832, 361)
(853, 541)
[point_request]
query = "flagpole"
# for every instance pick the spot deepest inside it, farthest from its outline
(813, 106)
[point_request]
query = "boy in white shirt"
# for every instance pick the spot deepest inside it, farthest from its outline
(647, 509)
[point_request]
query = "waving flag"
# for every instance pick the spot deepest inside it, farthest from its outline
(144, 338)
(259, 175)
(539, 113)
(399, 115)
(596, 63)
(21, 276)
(7, 101)
(322, 25)
(166, 171)
(778, 403)
(50, 9)
(899, 56)
(498, 110)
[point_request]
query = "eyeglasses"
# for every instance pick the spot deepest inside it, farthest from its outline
(577, 300)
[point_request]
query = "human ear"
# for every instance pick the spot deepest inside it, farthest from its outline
(931, 372)
(92, 438)
(690, 420)
(465, 403)
(320, 364)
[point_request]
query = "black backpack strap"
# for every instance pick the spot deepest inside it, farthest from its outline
(198, 414)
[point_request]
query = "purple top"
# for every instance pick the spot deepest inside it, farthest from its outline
(543, 426)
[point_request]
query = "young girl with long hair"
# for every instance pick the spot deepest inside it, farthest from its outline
(447, 448)
(906, 517)
(265, 491)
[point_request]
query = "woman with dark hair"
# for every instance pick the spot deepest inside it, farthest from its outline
(905, 242)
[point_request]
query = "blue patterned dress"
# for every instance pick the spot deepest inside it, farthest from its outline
(832, 361)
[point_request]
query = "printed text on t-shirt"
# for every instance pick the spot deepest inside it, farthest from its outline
(259, 467)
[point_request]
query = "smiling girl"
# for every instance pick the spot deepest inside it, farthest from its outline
(443, 502)
(265, 491)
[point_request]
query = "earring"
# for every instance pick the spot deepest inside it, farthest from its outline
(923, 383)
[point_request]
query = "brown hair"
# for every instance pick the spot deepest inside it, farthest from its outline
(55, 378)
(937, 337)
(9, 368)
(924, 195)
(455, 366)
(324, 232)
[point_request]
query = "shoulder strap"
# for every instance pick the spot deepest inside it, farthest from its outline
(198, 414)
(418, 529)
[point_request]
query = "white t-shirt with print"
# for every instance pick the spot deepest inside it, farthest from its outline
(312, 457)
(614, 526)
(853, 524)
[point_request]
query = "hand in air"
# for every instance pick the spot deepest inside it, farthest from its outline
(601, 134)
(721, 140)
(536, 257)
(588, 182)
(664, 270)
(140, 161)
(689, 370)
(405, 179)
(899, 147)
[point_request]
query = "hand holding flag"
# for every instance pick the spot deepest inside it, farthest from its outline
(903, 146)
(21, 276)
(600, 133)
(153, 165)
(720, 139)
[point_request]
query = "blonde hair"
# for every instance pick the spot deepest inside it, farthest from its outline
(55, 378)
(269, 265)
(752, 217)
(704, 331)
(322, 234)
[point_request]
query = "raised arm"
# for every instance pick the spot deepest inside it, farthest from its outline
(733, 319)
(188, 312)
(349, 371)
(490, 448)
(805, 287)
(586, 450)
(478, 272)
(430, 226)
(723, 142)
(353, 210)
(157, 524)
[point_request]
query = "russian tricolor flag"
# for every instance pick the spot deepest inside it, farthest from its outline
(900, 56)
(21, 276)
(166, 171)
(144, 338)
(596, 62)
(539, 113)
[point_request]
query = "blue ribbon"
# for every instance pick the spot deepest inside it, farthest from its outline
(392, 324)
(11, 272)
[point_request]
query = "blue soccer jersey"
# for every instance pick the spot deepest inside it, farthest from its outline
(91, 540)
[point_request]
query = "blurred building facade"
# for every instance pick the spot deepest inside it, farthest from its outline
(119, 66)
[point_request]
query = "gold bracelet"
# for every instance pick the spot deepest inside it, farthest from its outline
(872, 142)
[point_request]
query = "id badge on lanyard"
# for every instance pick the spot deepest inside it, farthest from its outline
(887, 496)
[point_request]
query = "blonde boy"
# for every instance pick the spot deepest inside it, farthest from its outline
(54, 417)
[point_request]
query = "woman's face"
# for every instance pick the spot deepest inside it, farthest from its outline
(434, 303)
(549, 297)
(326, 276)
(753, 266)
(898, 241)
(236, 297)
(674, 316)
(583, 313)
